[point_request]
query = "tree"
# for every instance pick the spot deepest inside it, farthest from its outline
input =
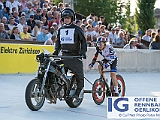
(129, 21)
(144, 14)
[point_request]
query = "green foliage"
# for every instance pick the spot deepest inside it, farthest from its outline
(111, 9)
(57, 1)
(144, 14)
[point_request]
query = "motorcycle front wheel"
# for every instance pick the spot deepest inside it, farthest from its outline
(33, 98)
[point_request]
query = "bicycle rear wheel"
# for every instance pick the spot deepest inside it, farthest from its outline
(121, 86)
(98, 91)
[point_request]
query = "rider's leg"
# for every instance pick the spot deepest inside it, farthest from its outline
(114, 80)
(100, 69)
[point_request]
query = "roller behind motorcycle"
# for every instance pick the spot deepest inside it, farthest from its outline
(52, 83)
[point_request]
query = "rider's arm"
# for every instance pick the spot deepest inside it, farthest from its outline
(57, 45)
(95, 56)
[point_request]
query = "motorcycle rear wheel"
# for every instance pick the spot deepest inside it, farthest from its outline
(70, 102)
(33, 98)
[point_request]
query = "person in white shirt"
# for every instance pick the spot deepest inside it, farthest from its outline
(147, 37)
(51, 41)
(112, 36)
(21, 24)
(13, 4)
(89, 31)
(2, 4)
(132, 44)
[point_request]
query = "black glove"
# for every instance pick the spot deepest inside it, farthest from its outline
(84, 56)
(55, 53)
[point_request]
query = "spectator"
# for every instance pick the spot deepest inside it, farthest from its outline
(155, 44)
(16, 17)
(21, 24)
(147, 37)
(43, 35)
(117, 30)
(120, 41)
(50, 16)
(139, 35)
(91, 16)
(45, 22)
(96, 31)
(11, 25)
(31, 23)
(24, 35)
(38, 16)
(37, 28)
(140, 45)
(51, 41)
(89, 40)
(44, 13)
(78, 23)
(15, 34)
(131, 45)
(2, 4)
(112, 36)
(119, 26)
(28, 10)
(53, 20)
(13, 3)
(24, 4)
(102, 29)
(3, 33)
(89, 31)
(89, 22)
(105, 35)
(83, 28)
(152, 36)
(84, 21)
(102, 18)
(4, 21)
(95, 21)
(60, 6)
(5, 13)
(99, 23)
(55, 27)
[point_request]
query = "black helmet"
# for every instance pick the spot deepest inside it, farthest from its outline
(67, 12)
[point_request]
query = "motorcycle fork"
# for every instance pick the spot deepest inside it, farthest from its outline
(44, 77)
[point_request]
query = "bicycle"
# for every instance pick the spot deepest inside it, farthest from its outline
(101, 86)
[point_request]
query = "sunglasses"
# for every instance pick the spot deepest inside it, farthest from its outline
(100, 44)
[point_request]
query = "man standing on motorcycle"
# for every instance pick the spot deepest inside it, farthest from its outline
(71, 41)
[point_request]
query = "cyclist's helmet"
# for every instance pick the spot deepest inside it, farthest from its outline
(67, 12)
(101, 41)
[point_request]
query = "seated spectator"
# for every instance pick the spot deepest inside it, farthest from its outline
(45, 22)
(96, 31)
(42, 37)
(37, 28)
(99, 23)
(152, 36)
(78, 23)
(60, 6)
(50, 16)
(16, 17)
(11, 25)
(24, 4)
(120, 41)
(24, 35)
(13, 3)
(3, 33)
(28, 10)
(155, 44)
(84, 22)
(15, 34)
(53, 20)
(21, 24)
(31, 23)
(147, 37)
(95, 21)
(105, 35)
(117, 30)
(112, 37)
(102, 18)
(83, 28)
(5, 13)
(89, 22)
(4, 21)
(38, 16)
(89, 31)
(89, 40)
(132, 44)
(102, 29)
(51, 41)
(139, 35)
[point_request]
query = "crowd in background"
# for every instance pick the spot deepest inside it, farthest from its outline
(39, 20)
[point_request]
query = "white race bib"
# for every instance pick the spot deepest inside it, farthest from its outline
(67, 36)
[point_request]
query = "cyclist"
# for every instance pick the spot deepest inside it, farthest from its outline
(110, 59)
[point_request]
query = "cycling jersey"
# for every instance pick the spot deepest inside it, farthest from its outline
(108, 53)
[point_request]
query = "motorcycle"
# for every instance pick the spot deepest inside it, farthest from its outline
(52, 83)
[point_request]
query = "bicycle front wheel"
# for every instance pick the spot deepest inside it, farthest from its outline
(98, 91)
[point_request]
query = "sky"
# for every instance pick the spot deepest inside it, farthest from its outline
(133, 5)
